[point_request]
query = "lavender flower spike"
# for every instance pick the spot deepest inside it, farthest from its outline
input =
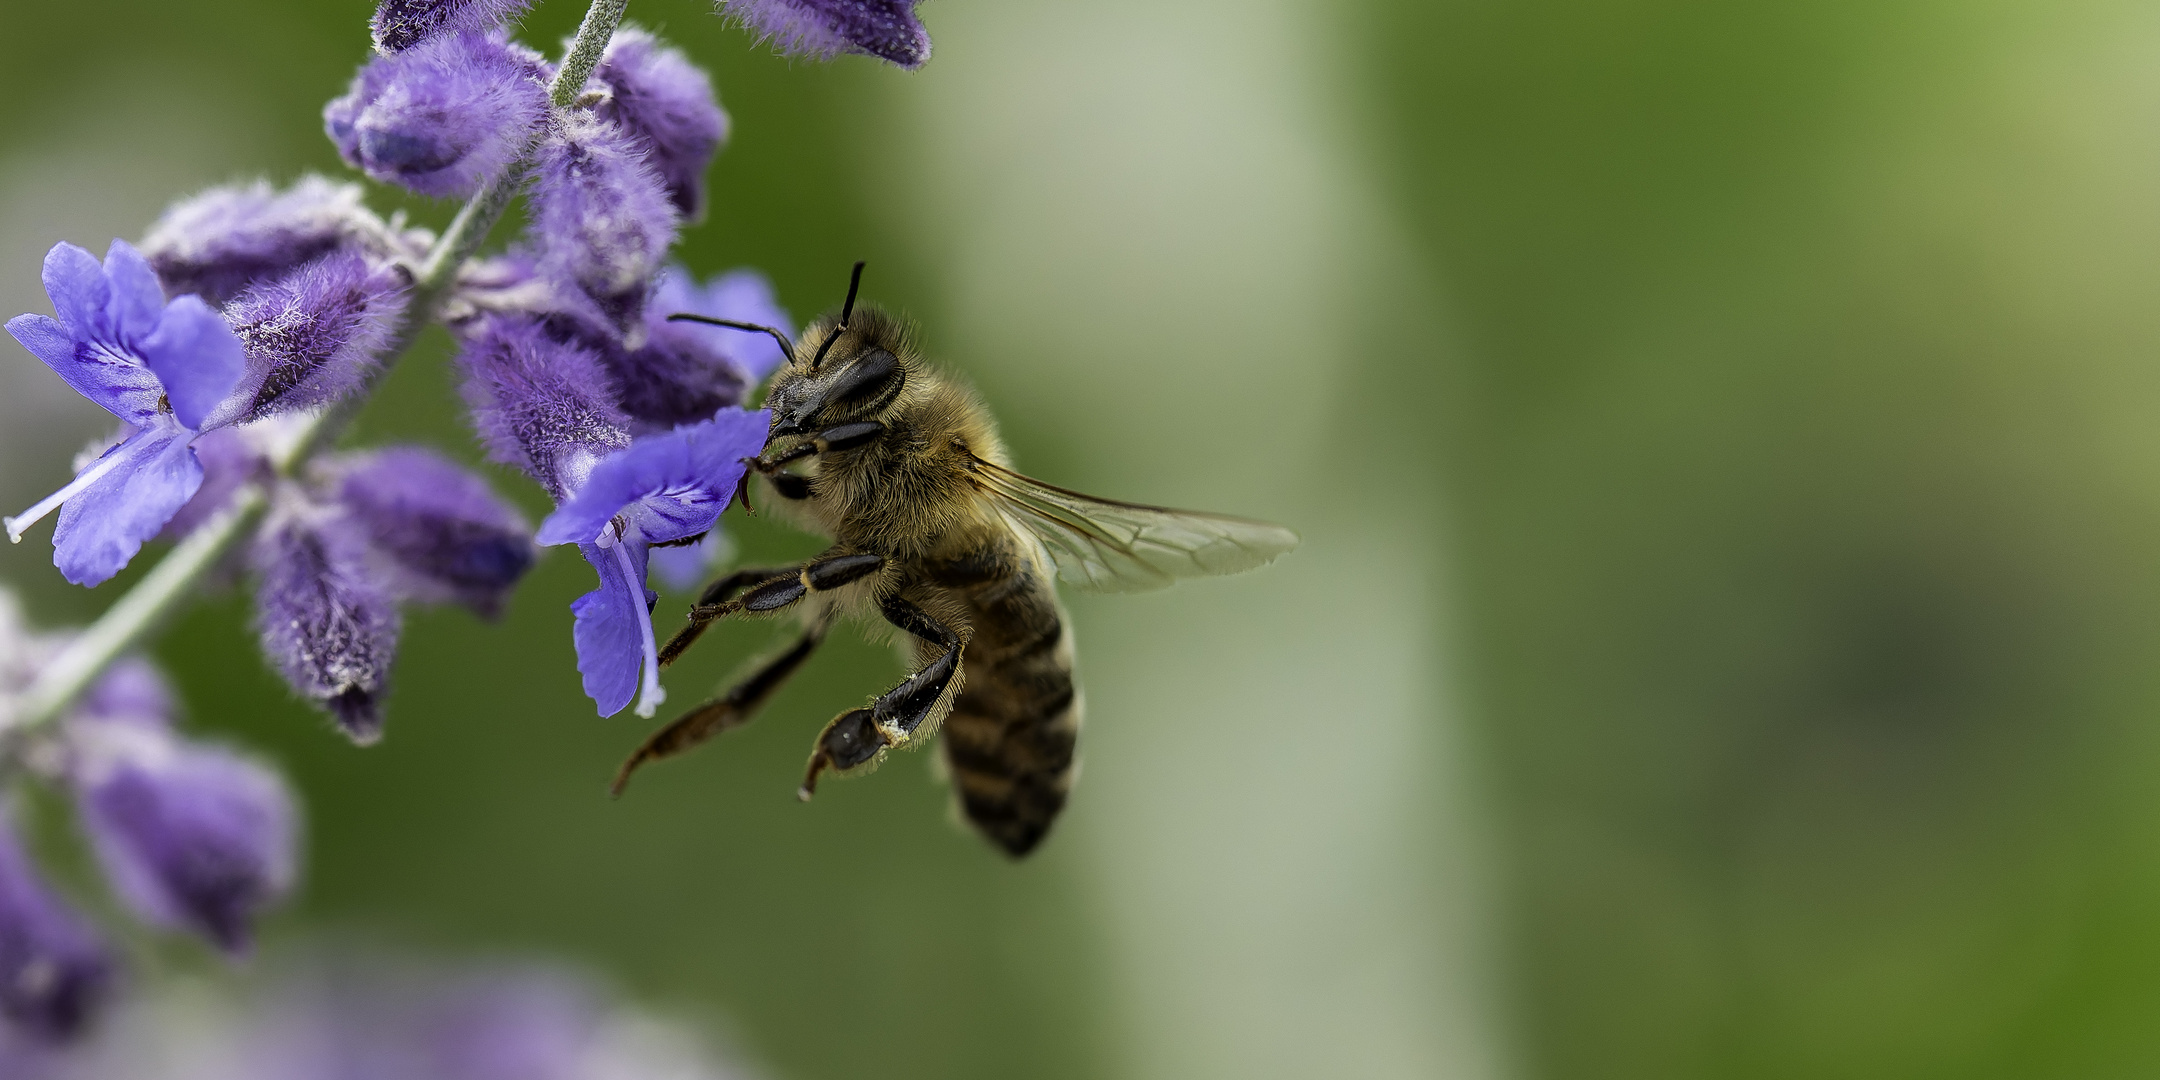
(886, 29)
(189, 835)
(444, 117)
(401, 24)
(663, 488)
(53, 972)
(163, 368)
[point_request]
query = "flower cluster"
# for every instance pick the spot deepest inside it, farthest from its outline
(189, 835)
(234, 340)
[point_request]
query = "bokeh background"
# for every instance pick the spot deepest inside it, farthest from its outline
(1727, 637)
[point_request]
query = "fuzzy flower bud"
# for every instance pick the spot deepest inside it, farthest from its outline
(886, 29)
(328, 621)
(189, 835)
(601, 218)
(53, 972)
(219, 242)
(313, 335)
(666, 103)
(442, 533)
(401, 24)
(444, 117)
(541, 404)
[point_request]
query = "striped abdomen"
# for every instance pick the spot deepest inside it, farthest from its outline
(1009, 741)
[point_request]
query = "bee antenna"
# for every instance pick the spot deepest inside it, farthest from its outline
(787, 348)
(847, 311)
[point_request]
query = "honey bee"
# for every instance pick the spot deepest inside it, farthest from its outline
(933, 532)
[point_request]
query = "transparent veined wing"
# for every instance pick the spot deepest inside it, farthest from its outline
(1126, 547)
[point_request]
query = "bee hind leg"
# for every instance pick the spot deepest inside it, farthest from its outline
(730, 710)
(856, 739)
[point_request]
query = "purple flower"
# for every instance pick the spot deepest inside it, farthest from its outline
(444, 117)
(313, 335)
(664, 487)
(53, 972)
(189, 835)
(328, 620)
(443, 532)
(886, 29)
(601, 218)
(666, 103)
(686, 370)
(219, 242)
(401, 24)
(161, 367)
(542, 404)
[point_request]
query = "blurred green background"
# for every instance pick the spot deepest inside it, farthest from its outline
(1725, 638)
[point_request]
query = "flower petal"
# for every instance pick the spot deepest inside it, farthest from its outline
(105, 524)
(196, 356)
(609, 641)
(136, 298)
(123, 389)
(678, 482)
(79, 291)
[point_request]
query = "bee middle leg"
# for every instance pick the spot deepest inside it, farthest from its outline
(858, 737)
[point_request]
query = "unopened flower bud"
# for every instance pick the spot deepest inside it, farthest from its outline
(53, 971)
(444, 117)
(886, 29)
(328, 621)
(444, 534)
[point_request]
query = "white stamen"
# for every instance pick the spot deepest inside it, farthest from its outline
(650, 695)
(20, 524)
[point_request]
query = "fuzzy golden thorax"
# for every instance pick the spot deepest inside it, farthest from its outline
(911, 491)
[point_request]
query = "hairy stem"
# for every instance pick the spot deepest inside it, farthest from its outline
(142, 608)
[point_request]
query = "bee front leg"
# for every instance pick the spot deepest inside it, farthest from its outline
(771, 590)
(857, 738)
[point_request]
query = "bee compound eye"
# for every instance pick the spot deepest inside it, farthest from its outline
(868, 378)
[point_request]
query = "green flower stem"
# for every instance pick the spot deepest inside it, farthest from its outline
(160, 593)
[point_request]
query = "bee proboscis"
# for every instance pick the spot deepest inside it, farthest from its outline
(934, 532)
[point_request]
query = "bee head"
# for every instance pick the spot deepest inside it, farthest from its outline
(841, 370)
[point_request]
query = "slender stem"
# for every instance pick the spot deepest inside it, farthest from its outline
(142, 608)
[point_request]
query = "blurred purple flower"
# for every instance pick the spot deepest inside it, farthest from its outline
(131, 691)
(664, 487)
(886, 29)
(54, 974)
(541, 404)
(443, 118)
(601, 219)
(189, 835)
(445, 535)
(161, 367)
(666, 103)
(685, 371)
(683, 567)
(327, 618)
(401, 24)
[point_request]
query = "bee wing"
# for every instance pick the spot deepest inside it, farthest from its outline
(1126, 547)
